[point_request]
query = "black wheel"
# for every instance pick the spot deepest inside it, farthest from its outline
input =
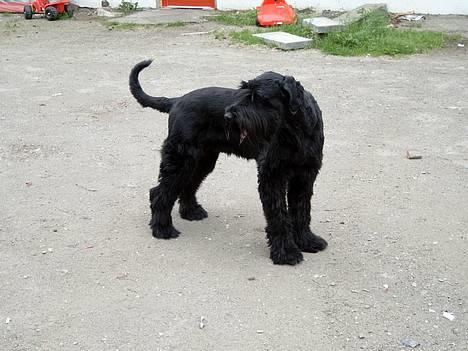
(69, 10)
(28, 12)
(51, 13)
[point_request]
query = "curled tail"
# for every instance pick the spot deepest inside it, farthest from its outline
(162, 104)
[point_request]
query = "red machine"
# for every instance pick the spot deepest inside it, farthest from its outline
(275, 12)
(51, 10)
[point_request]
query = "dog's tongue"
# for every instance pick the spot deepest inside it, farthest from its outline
(243, 134)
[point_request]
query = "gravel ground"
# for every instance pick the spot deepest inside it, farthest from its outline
(79, 269)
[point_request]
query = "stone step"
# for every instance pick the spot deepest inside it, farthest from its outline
(285, 40)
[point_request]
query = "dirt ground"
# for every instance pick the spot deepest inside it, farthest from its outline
(79, 269)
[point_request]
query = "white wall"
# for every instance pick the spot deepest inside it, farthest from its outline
(418, 6)
(115, 3)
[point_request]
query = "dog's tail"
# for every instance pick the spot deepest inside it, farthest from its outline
(162, 104)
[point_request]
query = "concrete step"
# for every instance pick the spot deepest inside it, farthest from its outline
(285, 40)
(323, 24)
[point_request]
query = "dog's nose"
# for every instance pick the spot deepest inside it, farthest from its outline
(228, 116)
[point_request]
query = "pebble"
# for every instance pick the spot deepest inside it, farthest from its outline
(448, 316)
(410, 343)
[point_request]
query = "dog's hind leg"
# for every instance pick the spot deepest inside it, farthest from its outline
(174, 170)
(300, 191)
(189, 207)
(272, 189)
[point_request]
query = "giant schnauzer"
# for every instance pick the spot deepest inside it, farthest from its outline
(271, 119)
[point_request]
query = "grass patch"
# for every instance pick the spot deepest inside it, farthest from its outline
(64, 16)
(175, 24)
(235, 18)
(122, 26)
(127, 7)
(246, 37)
(111, 25)
(373, 36)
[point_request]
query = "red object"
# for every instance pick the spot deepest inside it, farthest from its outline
(50, 10)
(275, 12)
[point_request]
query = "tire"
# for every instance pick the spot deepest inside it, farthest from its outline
(69, 10)
(51, 13)
(28, 12)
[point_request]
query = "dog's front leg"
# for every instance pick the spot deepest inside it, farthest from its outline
(300, 190)
(272, 190)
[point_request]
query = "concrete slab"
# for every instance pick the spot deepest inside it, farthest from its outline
(285, 40)
(359, 12)
(323, 24)
(165, 16)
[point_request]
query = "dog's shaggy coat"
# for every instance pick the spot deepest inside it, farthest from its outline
(271, 119)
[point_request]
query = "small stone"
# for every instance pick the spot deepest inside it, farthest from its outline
(448, 316)
(8, 320)
(202, 322)
(332, 284)
(361, 336)
(251, 278)
(408, 342)
(260, 331)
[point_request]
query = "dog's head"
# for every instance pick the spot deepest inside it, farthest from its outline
(265, 103)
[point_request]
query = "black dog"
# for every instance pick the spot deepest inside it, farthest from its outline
(271, 119)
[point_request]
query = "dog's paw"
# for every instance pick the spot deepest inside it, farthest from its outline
(309, 242)
(194, 213)
(165, 232)
(286, 255)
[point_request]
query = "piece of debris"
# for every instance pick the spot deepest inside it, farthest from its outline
(28, 183)
(411, 17)
(197, 33)
(105, 13)
(251, 278)
(85, 188)
(461, 45)
(260, 331)
(284, 40)
(448, 316)
(323, 24)
(57, 94)
(361, 336)
(332, 284)
(8, 320)
(408, 342)
(122, 276)
(202, 322)
(385, 286)
(413, 155)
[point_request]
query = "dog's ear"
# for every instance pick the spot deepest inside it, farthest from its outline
(244, 85)
(291, 88)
